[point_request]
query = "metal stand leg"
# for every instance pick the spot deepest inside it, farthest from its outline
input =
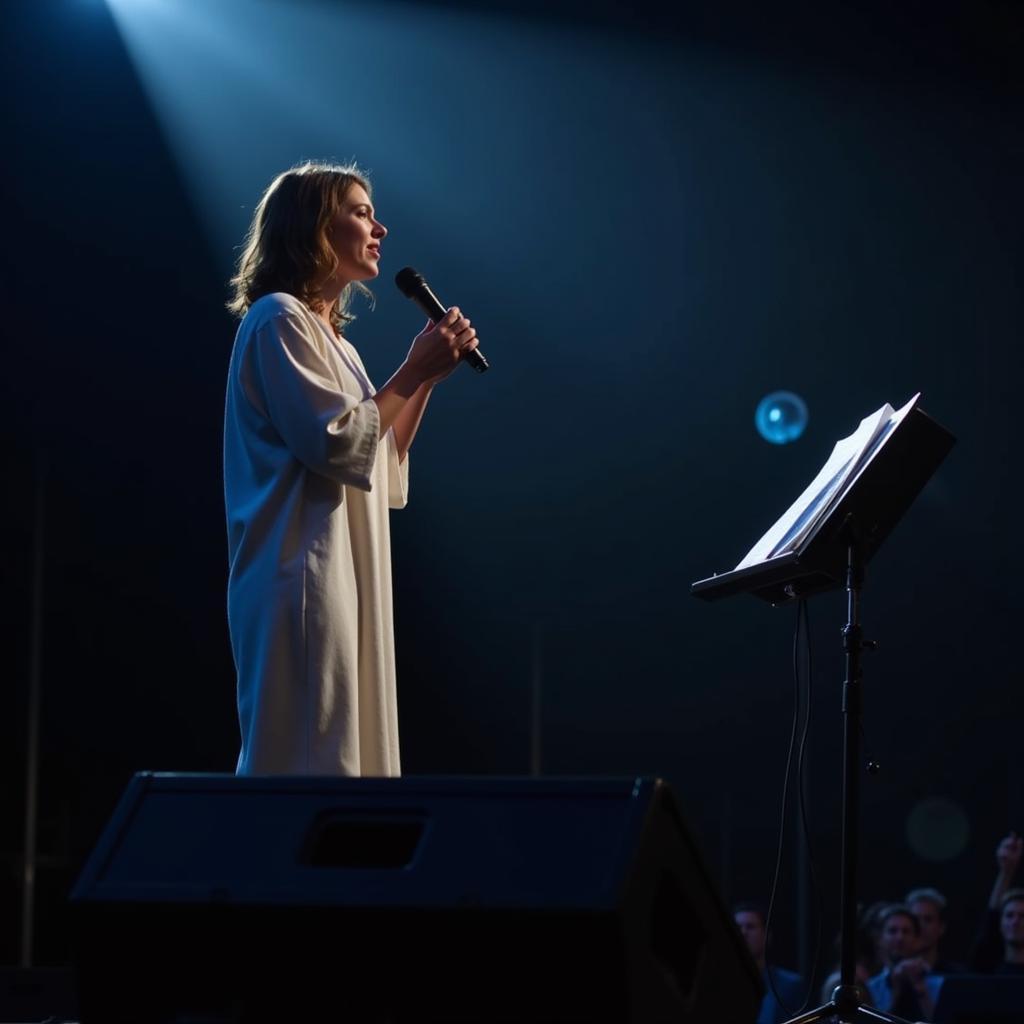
(845, 1004)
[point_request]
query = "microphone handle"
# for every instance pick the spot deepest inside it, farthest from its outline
(432, 306)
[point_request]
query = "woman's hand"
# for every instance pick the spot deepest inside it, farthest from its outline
(435, 352)
(438, 348)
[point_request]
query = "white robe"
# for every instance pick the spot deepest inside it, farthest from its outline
(308, 485)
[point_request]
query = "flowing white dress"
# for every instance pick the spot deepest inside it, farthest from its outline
(308, 485)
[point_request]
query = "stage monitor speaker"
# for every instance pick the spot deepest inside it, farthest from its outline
(213, 899)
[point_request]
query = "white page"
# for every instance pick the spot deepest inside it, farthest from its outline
(795, 537)
(800, 518)
(877, 441)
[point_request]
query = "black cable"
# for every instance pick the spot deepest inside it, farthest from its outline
(802, 792)
(802, 620)
(785, 795)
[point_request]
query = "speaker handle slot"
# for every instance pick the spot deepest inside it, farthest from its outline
(342, 838)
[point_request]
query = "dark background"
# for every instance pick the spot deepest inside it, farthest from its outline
(654, 221)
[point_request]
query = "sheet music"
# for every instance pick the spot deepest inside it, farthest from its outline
(848, 460)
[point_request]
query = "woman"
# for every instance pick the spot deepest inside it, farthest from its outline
(313, 459)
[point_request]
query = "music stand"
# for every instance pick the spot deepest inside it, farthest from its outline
(882, 480)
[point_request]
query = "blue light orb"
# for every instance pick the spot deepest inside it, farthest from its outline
(781, 417)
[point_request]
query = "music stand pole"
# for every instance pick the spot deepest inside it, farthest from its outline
(845, 1004)
(853, 645)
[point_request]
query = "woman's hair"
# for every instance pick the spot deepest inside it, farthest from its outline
(287, 248)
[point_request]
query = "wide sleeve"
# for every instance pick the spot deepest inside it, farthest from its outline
(332, 433)
(398, 474)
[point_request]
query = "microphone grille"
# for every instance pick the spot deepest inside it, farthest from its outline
(407, 280)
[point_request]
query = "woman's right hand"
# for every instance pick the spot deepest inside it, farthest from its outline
(438, 348)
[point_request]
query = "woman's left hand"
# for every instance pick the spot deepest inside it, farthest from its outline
(460, 336)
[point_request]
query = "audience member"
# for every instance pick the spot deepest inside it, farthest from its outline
(871, 926)
(1011, 927)
(998, 947)
(904, 987)
(899, 964)
(784, 990)
(929, 907)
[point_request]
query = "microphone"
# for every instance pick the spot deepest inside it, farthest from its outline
(412, 286)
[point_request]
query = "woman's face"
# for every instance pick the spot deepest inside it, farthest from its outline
(355, 235)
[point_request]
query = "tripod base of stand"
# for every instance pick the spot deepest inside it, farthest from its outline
(845, 1006)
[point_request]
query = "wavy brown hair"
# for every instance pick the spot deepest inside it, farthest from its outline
(286, 248)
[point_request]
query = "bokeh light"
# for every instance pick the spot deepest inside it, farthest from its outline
(938, 829)
(781, 417)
